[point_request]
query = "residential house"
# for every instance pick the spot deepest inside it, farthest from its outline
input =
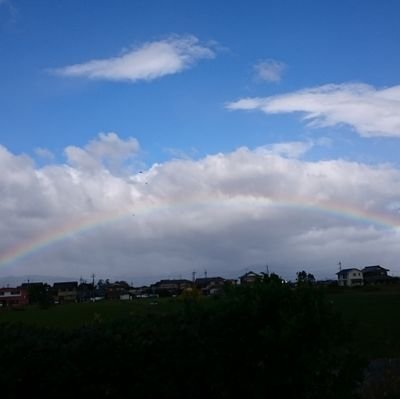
(210, 285)
(118, 290)
(249, 278)
(13, 297)
(141, 292)
(350, 277)
(27, 286)
(170, 287)
(375, 275)
(66, 291)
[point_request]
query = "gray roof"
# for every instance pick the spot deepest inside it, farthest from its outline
(205, 280)
(348, 270)
(250, 273)
(373, 268)
(68, 284)
(178, 282)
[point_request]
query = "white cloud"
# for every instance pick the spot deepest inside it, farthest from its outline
(370, 111)
(290, 149)
(44, 153)
(106, 149)
(109, 145)
(270, 70)
(150, 61)
(224, 212)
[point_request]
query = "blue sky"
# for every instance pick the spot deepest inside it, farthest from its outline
(319, 42)
(109, 105)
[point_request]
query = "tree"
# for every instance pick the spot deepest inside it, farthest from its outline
(305, 278)
(40, 294)
(273, 277)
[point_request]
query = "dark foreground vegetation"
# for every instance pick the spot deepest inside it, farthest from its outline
(263, 341)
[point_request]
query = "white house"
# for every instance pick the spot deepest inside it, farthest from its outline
(350, 278)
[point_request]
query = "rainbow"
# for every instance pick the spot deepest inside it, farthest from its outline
(57, 234)
(83, 224)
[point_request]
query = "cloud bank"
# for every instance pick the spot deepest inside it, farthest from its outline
(371, 112)
(149, 61)
(224, 213)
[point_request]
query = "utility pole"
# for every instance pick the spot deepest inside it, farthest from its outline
(205, 273)
(93, 290)
(340, 266)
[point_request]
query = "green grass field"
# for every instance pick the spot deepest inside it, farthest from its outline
(376, 315)
(77, 314)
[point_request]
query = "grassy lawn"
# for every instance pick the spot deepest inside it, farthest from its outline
(77, 314)
(376, 316)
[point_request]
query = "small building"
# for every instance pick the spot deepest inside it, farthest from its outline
(249, 278)
(66, 291)
(140, 292)
(170, 287)
(210, 285)
(13, 297)
(125, 296)
(375, 275)
(350, 278)
(30, 285)
(117, 290)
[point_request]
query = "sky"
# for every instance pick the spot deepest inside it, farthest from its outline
(149, 139)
